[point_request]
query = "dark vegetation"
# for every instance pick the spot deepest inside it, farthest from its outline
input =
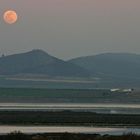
(67, 118)
(66, 136)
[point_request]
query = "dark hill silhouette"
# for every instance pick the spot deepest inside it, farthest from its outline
(39, 62)
(105, 66)
(114, 65)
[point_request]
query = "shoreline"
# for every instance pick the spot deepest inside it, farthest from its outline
(67, 129)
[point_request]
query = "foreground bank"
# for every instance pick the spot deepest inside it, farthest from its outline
(68, 118)
(66, 136)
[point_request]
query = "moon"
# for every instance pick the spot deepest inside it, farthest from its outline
(10, 16)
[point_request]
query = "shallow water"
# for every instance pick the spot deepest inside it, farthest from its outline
(70, 129)
(99, 108)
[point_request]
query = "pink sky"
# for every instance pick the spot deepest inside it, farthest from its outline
(76, 27)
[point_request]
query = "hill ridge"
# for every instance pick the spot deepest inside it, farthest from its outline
(38, 62)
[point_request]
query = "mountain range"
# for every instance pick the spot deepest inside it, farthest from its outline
(103, 66)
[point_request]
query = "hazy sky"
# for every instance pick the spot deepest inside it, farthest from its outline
(69, 28)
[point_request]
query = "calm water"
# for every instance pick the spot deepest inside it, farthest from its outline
(99, 108)
(59, 129)
(94, 100)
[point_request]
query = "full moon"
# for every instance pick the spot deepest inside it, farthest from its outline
(10, 16)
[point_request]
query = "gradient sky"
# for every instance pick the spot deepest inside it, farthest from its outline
(71, 28)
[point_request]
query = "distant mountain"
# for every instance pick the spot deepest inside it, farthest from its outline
(39, 62)
(103, 70)
(111, 65)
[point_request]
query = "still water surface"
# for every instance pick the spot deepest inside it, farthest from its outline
(99, 108)
(70, 129)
